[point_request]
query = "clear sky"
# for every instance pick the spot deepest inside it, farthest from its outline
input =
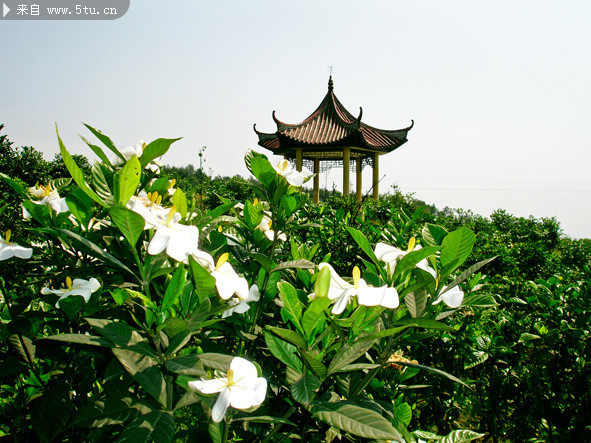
(500, 91)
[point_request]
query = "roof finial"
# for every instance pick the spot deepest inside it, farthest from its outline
(330, 84)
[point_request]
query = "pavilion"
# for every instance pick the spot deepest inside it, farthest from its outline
(332, 137)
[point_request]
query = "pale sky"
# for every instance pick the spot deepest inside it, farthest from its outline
(500, 91)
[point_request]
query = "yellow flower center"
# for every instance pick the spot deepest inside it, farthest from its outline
(172, 183)
(283, 165)
(230, 377)
(47, 190)
(143, 146)
(411, 244)
(7, 235)
(219, 228)
(223, 259)
(153, 197)
(69, 283)
(171, 213)
(356, 277)
(269, 224)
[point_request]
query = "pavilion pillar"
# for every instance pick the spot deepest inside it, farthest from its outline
(346, 169)
(316, 180)
(358, 178)
(376, 176)
(299, 159)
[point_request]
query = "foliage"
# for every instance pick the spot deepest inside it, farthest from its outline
(136, 292)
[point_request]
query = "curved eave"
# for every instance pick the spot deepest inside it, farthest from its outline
(384, 140)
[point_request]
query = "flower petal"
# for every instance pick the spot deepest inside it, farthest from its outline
(221, 405)
(209, 386)
(244, 371)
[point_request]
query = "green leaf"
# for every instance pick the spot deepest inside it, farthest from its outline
(76, 173)
(82, 339)
(14, 185)
(260, 167)
(24, 346)
(106, 141)
(526, 336)
(457, 246)
(174, 288)
(127, 180)
(349, 353)
(179, 340)
(102, 176)
(355, 420)
(416, 302)
(51, 411)
(433, 234)
(410, 260)
(122, 335)
(289, 335)
(80, 205)
(304, 390)
(363, 243)
(283, 351)
(154, 426)
(145, 371)
(426, 323)
(461, 436)
(315, 364)
(468, 272)
(386, 333)
(292, 306)
(96, 251)
(204, 282)
(221, 362)
(187, 364)
(180, 202)
(300, 264)
(264, 419)
(315, 315)
(437, 371)
(130, 223)
(98, 151)
(480, 300)
(156, 149)
(403, 413)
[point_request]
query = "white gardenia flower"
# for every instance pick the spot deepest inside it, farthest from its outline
(178, 240)
(241, 388)
(49, 197)
(227, 281)
(391, 255)
(9, 249)
(239, 306)
(293, 176)
(452, 297)
(342, 292)
(265, 226)
(77, 287)
(149, 207)
(129, 151)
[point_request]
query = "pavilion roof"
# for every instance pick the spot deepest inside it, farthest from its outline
(330, 126)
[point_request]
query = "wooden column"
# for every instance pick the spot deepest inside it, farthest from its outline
(316, 180)
(376, 176)
(299, 159)
(346, 167)
(358, 178)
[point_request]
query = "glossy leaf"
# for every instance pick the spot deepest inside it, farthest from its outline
(355, 420)
(457, 246)
(156, 149)
(130, 223)
(304, 390)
